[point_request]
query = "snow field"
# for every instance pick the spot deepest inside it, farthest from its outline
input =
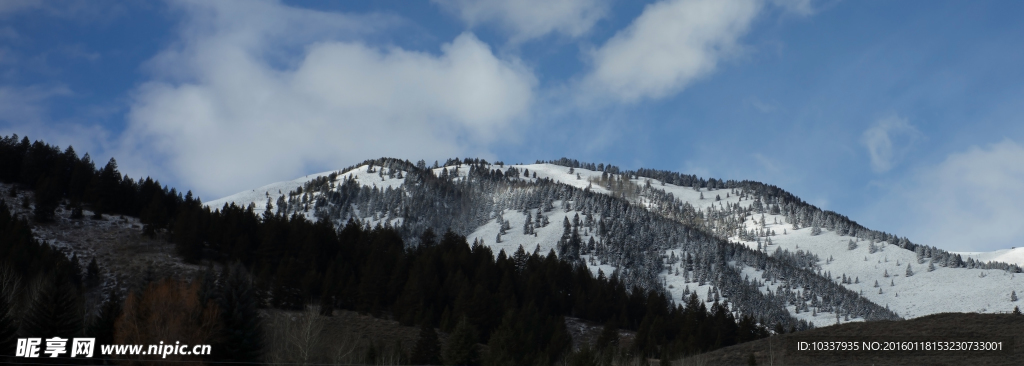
(923, 293)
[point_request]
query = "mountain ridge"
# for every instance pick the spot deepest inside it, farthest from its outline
(728, 214)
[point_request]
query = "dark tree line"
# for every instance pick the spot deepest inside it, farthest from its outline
(58, 177)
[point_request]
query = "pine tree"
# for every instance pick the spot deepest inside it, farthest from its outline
(56, 311)
(427, 351)
(461, 346)
(1013, 295)
(609, 338)
(103, 326)
(428, 238)
(241, 336)
(910, 272)
(92, 274)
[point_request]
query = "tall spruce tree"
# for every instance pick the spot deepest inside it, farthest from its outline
(55, 311)
(241, 336)
(461, 346)
(428, 349)
(102, 327)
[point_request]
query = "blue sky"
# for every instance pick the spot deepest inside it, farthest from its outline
(904, 116)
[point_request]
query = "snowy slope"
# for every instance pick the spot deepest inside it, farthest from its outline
(545, 238)
(1014, 255)
(923, 293)
(270, 193)
(259, 195)
(554, 172)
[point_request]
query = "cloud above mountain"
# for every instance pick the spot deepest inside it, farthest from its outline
(528, 19)
(669, 46)
(969, 201)
(888, 141)
(223, 110)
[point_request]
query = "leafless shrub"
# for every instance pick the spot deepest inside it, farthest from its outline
(167, 310)
(10, 283)
(296, 338)
(697, 360)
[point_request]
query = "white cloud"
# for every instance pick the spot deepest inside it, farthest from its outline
(671, 44)
(221, 117)
(972, 201)
(528, 19)
(888, 141)
(798, 7)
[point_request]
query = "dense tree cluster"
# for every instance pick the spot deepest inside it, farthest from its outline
(443, 280)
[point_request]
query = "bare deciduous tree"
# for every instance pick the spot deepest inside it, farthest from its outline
(167, 311)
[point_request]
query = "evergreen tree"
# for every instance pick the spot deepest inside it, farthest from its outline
(428, 238)
(242, 336)
(461, 347)
(528, 338)
(609, 337)
(92, 274)
(427, 351)
(102, 327)
(56, 311)
(1013, 295)
(47, 198)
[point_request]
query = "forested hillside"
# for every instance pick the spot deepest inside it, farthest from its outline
(389, 238)
(513, 302)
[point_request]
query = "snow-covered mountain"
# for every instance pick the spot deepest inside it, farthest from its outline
(717, 239)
